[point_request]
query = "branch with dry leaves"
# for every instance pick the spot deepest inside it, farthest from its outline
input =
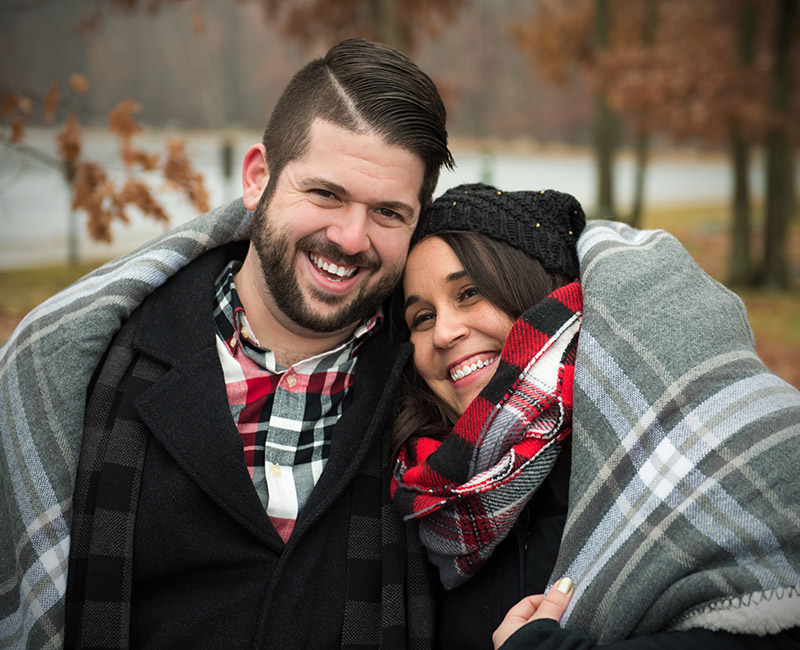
(93, 191)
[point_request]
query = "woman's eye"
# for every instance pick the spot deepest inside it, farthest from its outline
(468, 292)
(421, 321)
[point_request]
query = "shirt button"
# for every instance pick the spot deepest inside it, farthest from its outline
(276, 471)
(245, 332)
(291, 380)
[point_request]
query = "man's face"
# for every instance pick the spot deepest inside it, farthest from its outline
(333, 237)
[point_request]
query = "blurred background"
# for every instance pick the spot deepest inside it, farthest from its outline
(122, 118)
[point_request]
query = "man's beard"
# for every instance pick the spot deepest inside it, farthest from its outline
(280, 276)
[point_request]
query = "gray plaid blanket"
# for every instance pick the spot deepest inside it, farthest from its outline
(45, 369)
(684, 501)
(684, 493)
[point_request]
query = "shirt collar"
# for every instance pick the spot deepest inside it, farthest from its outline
(232, 326)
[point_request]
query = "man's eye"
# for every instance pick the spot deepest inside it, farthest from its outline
(389, 214)
(325, 194)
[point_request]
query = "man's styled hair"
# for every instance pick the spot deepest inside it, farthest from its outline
(362, 86)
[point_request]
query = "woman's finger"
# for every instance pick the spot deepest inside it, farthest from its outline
(525, 608)
(554, 604)
(516, 617)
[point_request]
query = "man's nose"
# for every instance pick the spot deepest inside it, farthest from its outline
(349, 230)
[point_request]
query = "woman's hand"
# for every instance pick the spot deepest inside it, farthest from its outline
(532, 608)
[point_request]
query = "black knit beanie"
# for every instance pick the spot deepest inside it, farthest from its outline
(544, 224)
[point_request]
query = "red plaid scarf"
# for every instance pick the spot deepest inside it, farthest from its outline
(468, 489)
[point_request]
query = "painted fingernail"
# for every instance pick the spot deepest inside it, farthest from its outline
(565, 586)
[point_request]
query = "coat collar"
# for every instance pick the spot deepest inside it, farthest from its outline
(188, 413)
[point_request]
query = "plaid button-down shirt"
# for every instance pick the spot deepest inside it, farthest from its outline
(284, 415)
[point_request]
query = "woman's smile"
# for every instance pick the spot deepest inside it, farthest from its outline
(457, 333)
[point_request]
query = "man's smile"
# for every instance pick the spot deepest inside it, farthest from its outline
(335, 272)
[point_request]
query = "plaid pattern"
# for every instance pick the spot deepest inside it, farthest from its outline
(45, 368)
(666, 342)
(684, 502)
(284, 415)
(106, 492)
(376, 549)
(468, 490)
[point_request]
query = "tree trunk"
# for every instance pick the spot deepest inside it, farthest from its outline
(605, 134)
(740, 264)
(739, 267)
(642, 151)
(642, 137)
(779, 181)
(387, 27)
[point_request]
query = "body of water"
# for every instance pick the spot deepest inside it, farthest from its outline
(35, 200)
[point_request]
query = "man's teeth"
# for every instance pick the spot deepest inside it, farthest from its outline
(341, 271)
(469, 368)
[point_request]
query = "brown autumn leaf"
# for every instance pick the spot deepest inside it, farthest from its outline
(8, 103)
(79, 83)
(12, 102)
(178, 171)
(137, 193)
(17, 129)
(312, 21)
(198, 22)
(91, 189)
(132, 157)
(51, 102)
(121, 120)
(116, 206)
(557, 37)
(70, 140)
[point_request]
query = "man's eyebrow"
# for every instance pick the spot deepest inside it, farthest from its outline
(335, 188)
(398, 206)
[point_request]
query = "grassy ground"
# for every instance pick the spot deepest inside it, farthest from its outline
(774, 316)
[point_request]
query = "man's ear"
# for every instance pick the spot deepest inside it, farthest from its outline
(255, 175)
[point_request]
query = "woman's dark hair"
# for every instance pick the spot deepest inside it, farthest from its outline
(506, 277)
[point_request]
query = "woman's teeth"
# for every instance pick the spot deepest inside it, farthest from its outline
(469, 368)
(341, 271)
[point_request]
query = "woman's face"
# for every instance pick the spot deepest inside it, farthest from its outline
(457, 334)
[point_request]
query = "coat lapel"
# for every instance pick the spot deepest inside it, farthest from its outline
(187, 410)
(188, 413)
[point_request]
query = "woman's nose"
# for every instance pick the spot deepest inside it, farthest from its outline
(448, 330)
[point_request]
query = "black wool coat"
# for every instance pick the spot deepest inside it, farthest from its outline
(208, 570)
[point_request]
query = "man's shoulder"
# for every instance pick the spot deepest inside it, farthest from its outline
(178, 316)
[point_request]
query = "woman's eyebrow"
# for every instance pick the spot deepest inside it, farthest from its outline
(450, 277)
(456, 275)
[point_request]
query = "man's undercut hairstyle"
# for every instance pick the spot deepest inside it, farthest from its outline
(362, 86)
